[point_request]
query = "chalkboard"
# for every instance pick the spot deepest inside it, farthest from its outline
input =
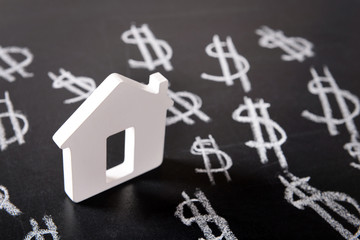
(254, 199)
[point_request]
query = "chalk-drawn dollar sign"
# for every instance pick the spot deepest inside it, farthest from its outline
(142, 37)
(189, 101)
(81, 86)
(202, 220)
(296, 48)
(300, 194)
(353, 148)
(216, 50)
(14, 118)
(324, 86)
(206, 147)
(13, 65)
(38, 234)
(6, 204)
(256, 121)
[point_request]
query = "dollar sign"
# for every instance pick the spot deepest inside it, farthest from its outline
(142, 36)
(192, 107)
(13, 65)
(255, 120)
(215, 49)
(296, 48)
(307, 196)
(14, 120)
(206, 147)
(353, 148)
(6, 204)
(323, 85)
(81, 86)
(203, 219)
(356, 235)
(38, 233)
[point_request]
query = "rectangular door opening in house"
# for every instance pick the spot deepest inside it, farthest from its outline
(120, 154)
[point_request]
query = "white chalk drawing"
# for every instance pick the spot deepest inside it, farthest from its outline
(356, 235)
(38, 234)
(355, 165)
(14, 118)
(316, 87)
(192, 105)
(141, 37)
(323, 85)
(256, 121)
(216, 50)
(300, 194)
(202, 219)
(353, 148)
(6, 204)
(206, 147)
(296, 48)
(13, 66)
(81, 86)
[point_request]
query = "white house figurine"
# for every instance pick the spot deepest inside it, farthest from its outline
(118, 104)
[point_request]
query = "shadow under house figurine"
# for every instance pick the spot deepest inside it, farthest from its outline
(118, 104)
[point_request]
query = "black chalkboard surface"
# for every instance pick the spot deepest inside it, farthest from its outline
(84, 38)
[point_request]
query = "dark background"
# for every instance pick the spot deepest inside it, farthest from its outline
(83, 37)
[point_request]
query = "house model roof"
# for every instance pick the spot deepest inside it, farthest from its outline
(158, 85)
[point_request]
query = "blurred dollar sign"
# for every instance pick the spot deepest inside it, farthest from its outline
(216, 49)
(189, 101)
(256, 121)
(14, 118)
(296, 48)
(143, 37)
(81, 86)
(206, 147)
(324, 86)
(13, 66)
